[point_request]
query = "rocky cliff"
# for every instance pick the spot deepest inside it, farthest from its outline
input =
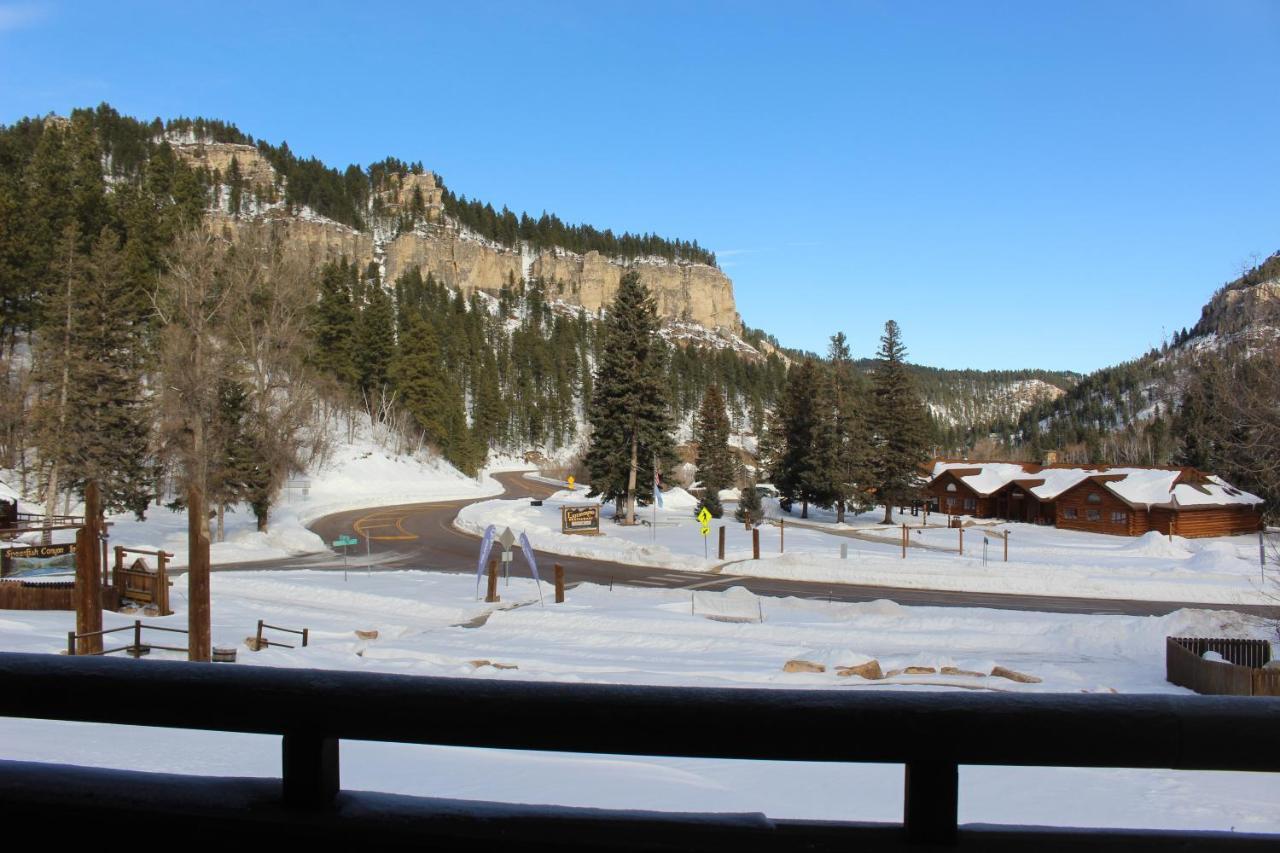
(684, 291)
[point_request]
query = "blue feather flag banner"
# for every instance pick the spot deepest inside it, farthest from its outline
(528, 555)
(657, 486)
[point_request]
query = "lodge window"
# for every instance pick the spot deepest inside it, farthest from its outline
(970, 504)
(1120, 517)
(1093, 515)
(951, 487)
(1069, 512)
(1094, 498)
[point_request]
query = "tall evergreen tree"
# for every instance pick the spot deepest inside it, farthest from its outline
(717, 469)
(374, 344)
(111, 423)
(629, 415)
(898, 425)
(798, 473)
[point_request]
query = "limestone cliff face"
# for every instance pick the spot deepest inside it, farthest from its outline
(688, 292)
(216, 157)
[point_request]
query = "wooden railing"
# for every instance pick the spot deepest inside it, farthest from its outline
(260, 643)
(135, 649)
(932, 734)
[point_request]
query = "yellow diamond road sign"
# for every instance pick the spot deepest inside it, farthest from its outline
(705, 516)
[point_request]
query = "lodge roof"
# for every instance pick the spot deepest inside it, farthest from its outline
(1139, 487)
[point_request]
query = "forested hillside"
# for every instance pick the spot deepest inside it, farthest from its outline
(138, 346)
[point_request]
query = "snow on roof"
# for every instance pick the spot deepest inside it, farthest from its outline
(6, 493)
(1139, 487)
(1142, 486)
(1215, 491)
(1057, 481)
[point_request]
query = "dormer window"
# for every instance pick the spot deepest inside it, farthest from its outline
(951, 487)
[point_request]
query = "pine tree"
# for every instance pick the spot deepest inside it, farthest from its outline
(898, 425)
(749, 509)
(800, 473)
(332, 323)
(374, 344)
(111, 423)
(629, 416)
(846, 442)
(717, 468)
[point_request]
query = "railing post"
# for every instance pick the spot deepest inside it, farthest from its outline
(930, 807)
(310, 769)
(257, 643)
(137, 638)
(71, 643)
(305, 632)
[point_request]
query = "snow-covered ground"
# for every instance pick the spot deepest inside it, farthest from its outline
(1042, 560)
(650, 636)
(358, 474)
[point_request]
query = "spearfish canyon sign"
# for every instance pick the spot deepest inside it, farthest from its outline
(37, 559)
(580, 519)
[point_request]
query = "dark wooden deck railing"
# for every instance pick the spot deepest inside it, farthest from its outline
(932, 734)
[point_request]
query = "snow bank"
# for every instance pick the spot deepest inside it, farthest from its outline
(678, 498)
(1153, 543)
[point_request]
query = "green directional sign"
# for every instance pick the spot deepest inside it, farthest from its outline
(344, 540)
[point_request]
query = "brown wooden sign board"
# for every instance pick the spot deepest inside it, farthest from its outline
(22, 560)
(580, 519)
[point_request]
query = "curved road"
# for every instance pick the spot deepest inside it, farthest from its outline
(422, 536)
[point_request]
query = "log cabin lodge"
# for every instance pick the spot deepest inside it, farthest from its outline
(1122, 501)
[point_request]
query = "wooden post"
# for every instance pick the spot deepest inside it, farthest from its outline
(199, 628)
(71, 643)
(755, 543)
(904, 541)
(162, 583)
(491, 595)
(1006, 546)
(782, 534)
(721, 550)
(961, 529)
(305, 634)
(137, 638)
(88, 588)
(117, 573)
(257, 643)
(559, 569)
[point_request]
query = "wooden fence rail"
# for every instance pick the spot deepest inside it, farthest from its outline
(135, 649)
(259, 643)
(1240, 674)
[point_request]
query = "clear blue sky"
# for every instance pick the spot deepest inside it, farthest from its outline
(1017, 184)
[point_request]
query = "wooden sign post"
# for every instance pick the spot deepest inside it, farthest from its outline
(721, 549)
(755, 543)
(88, 587)
(559, 583)
(199, 619)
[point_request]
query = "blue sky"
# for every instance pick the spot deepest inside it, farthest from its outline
(1017, 184)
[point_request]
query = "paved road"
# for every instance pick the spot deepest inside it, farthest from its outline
(422, 536)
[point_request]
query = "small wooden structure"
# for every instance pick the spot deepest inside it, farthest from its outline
(139, 582)
(1243, 672)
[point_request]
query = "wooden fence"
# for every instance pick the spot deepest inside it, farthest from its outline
(1240, 674)
(59, 595)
